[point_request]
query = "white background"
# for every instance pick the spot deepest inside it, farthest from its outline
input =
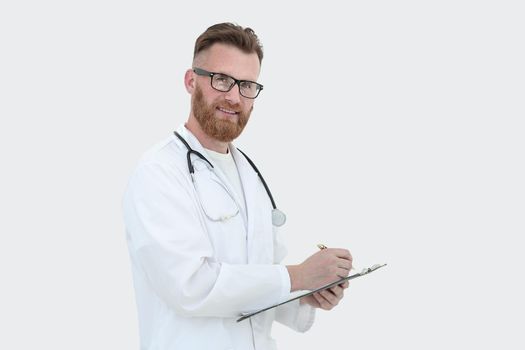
(392, 128)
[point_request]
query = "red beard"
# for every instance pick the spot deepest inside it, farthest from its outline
(220, 129)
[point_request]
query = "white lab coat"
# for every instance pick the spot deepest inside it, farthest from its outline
(194, 277)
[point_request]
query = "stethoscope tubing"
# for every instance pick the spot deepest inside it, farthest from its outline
(278, 217)
(260, 177)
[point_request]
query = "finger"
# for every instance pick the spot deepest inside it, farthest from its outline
(341, 253)
(342, 272)
(310, 300)
(330, 297)
(323, 303)
(337, 291)
(345, 264)
(344, 285)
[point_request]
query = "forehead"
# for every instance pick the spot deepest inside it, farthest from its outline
(227, 59)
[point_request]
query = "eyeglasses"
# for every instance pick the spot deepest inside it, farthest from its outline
(224, 83)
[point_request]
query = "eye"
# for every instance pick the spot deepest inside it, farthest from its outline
(220, 78)
(248, 85)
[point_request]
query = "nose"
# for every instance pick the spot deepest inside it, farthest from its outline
(234, 95)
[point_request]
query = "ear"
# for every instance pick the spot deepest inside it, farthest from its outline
(189, 81)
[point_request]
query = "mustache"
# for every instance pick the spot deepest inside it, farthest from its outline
(225, 104)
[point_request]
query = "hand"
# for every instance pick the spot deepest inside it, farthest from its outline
(325, 266)
(326, 299)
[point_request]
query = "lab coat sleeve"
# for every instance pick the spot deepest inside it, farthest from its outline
(296, 316)
(293, 315)
(168, 239)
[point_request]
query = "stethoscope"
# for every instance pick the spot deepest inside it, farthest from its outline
(278, 217)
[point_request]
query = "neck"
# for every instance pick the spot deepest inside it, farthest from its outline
(206, 141)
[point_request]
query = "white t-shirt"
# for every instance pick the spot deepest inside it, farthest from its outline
(226, 163)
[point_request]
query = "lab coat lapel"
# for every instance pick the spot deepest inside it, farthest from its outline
(250, 183)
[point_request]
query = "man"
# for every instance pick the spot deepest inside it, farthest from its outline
(199, 225)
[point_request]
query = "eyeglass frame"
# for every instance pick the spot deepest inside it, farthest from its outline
(204, 73)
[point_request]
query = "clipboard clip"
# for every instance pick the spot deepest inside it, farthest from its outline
(370, 269)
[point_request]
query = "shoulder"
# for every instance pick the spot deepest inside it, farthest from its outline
(165, 159)
(166, 151)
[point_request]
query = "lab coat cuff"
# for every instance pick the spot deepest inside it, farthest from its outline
(297, 316)
(285, 282)
(305, 317)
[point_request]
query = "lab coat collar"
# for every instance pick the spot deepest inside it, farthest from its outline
(190, 139)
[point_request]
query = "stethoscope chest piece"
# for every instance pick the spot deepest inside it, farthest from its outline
(278, 217)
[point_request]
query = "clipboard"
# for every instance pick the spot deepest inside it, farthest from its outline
(329, 285)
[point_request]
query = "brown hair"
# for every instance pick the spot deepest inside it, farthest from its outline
(244, 39)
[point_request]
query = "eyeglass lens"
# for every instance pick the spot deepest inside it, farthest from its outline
(225, 83)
